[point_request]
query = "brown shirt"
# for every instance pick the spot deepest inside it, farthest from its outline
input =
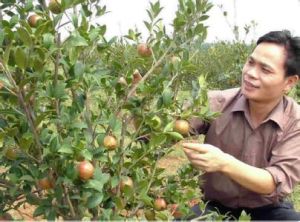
(274, 145)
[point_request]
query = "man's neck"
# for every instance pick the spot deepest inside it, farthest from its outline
(259, 111)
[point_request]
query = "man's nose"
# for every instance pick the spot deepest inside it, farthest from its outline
(252, 72)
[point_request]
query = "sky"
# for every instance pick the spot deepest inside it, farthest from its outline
(268, 15)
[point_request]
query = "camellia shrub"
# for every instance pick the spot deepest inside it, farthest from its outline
(85, 119)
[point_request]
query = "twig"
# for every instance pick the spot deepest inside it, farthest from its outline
(69, 202)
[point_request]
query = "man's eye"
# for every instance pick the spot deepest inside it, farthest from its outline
(250, 62)
(265, 70)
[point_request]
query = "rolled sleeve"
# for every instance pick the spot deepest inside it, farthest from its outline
(285, 165)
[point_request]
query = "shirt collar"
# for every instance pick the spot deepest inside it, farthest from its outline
(276, 115)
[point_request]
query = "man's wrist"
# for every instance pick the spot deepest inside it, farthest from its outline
(228, 163)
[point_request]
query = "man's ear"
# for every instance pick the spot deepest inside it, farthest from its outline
(291, 81)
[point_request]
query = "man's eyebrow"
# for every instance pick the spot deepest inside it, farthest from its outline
(263, 64)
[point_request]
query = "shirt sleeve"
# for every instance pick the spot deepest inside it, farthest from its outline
(285, 163)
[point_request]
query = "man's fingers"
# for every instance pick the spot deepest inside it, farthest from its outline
(200, 148)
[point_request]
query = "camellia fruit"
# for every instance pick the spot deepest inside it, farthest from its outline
(144, 50)
(85, 170)
(182, 126)
(110, 142)
(33, 20)
(160, 204)
(45, 183)
(11, 153)
(126, 181)
(55, 6)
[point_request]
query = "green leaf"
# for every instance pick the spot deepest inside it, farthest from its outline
(59, 90)
(145, 199)
(79, 68)
(169, 127)
(86, 154)
(95, 185)
(114, 181)
(167, 97)
(24, 36)
(157, 139)
(26, 178)
(66, 148)
(95, 200)
(25, 143)
(32, 199)
(77, 40)
(20, 58)
(40, 210)
(7, 54)
(48, 40)
(1, 36)
(161, 215)
(175, 135)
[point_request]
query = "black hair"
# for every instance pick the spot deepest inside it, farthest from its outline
(292, 47)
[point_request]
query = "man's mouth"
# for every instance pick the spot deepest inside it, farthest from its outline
(250, 85)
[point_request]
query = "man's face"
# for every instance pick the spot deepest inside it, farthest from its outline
(264, 75)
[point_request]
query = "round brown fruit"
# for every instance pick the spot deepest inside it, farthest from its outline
(45, 183)
(149, 215)
(85, 170)
(33, 20)
(182, 126)
(144, 50)
(11, 153)
(126, 181)
(55, 6)
(110, 142)
(160, 204)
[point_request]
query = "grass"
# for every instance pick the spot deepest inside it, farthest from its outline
(295, 197)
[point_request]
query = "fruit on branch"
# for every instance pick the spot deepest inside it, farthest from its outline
(33, 20)
(55, 6)
(126, 181)
(182, 126)
(110, 142)
(45, 183)
(144, 50)
(160, 204)
(85, 170)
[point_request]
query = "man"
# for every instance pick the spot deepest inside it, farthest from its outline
(251, 154)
